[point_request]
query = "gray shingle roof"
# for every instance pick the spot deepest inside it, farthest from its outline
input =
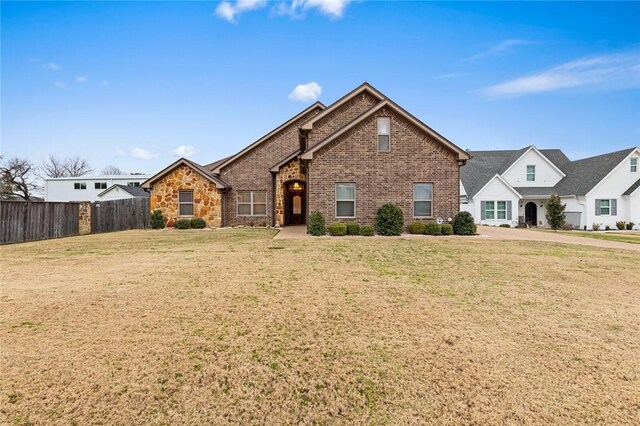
(632, 188)
(136, 191)
(528, 191)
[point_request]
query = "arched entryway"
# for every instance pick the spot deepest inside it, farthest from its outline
(295, 202)
(531, 214)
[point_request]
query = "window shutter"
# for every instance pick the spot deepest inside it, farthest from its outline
(483, 215)
(597, 207)
(614, 207)
(509, 210)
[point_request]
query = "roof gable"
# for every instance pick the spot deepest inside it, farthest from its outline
(220, 184)
(540, 154)
(504, 182)
(135, 191)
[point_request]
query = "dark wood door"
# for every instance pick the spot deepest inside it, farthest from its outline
(295, 208)
(531, 214)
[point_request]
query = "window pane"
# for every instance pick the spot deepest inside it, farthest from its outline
(186, 210)
(383, 143)
(259, 196)
(259, 209)
(97, 185)
(345, 209)
(502, 214)
(422, 208)
(383, 125)
(186, 196)
(346, 191)
(244, 196)
(244, 209)
(502, 205)
(604, 203)
(422, 191)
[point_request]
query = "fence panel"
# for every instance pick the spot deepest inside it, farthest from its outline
(35, 220)
(119, 215)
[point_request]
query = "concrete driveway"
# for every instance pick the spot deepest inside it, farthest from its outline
(497, 233)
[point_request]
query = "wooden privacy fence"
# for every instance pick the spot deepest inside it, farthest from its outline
(119, 215)
(39, 220)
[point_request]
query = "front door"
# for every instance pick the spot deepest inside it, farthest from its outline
(531, 214)
(295, 203)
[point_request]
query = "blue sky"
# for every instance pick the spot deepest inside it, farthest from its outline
(135, 83)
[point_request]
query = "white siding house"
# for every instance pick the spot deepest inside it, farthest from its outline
(86, 188)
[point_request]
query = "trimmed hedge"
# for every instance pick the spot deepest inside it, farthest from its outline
(156, 221)
(337, 229)
(316, 224)
(463, 224)
(447, 229)
(505, 225)
(366, 230)
(417, 228)
(197, 223)
(389, 220)
(433, 228)
(182, 224)
(353, 228)
(629, 226)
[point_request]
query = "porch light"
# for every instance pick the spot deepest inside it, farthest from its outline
(296, 186)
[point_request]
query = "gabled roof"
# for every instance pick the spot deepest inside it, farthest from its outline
(215, 164)
(136, 191)
(364, 87)
(583, 175)
(501, 179)
(544, 157)
(462, 154)
(220, 184)
(632, 188)
(216, 168)
(293, 155)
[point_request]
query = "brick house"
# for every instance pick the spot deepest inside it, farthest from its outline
(344, 160)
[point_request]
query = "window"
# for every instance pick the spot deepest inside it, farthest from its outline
(607, 207)
(251, 203)
(135, 184)
(185, 203)
(531, 173)
(634, 165)
(502, 210)
(346, 200)
(80, 185)
(101, 185)
(422, 199)
(489, 210)
(384, 134)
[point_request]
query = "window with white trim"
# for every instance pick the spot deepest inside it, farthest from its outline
(422, 199)
(185, 203)
(251, 203)
(134, 184)
(346, 200)
(634, 165)
(604, 208)
(501, 210)
(531, 173)
(384, 134)
(80, 185)
(100, 185)
(489, 210)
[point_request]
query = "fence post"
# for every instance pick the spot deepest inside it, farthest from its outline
(84, 218)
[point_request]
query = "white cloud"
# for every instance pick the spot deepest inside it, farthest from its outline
(143, 154)
(604, 72)
(60, 84)
(52, 66)
(183, 151)
(332, 8)
(306, 92)
(228, 10)
(81, 78)
(503, 47)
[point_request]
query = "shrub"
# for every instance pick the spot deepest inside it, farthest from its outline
(389, 220)
(182, 224)
(337, 229)
(629, 226)
(567, 227)
(433, 228)
(447, 229)
(197, 223)
(620, 225)
(555, 212)
(366, 230)
(353, 228)
(463, 224)
(316, 224)
(595, 227)
(417, 228)
(156, 221)
(607, 228)
(505, 225)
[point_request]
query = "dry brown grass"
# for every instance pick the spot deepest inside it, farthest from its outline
(214, 327)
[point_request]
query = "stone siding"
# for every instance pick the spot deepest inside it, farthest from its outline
(206, 197)
(84, 218)
(288, 172)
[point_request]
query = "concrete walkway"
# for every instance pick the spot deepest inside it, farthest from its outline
(497, 233)
(292, 232)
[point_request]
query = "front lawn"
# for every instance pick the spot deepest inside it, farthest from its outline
(621, 236)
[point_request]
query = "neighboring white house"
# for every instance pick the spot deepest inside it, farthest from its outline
(514, 186)
(86, 188)
(122, 192)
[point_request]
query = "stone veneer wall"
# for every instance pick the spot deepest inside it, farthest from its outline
(206, 197)
(84, 218)
(290, 171)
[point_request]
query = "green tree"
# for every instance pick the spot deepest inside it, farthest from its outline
(555, 212)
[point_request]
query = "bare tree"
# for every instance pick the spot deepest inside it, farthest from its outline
(17, 178)
(55, 167)
(111, 170)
